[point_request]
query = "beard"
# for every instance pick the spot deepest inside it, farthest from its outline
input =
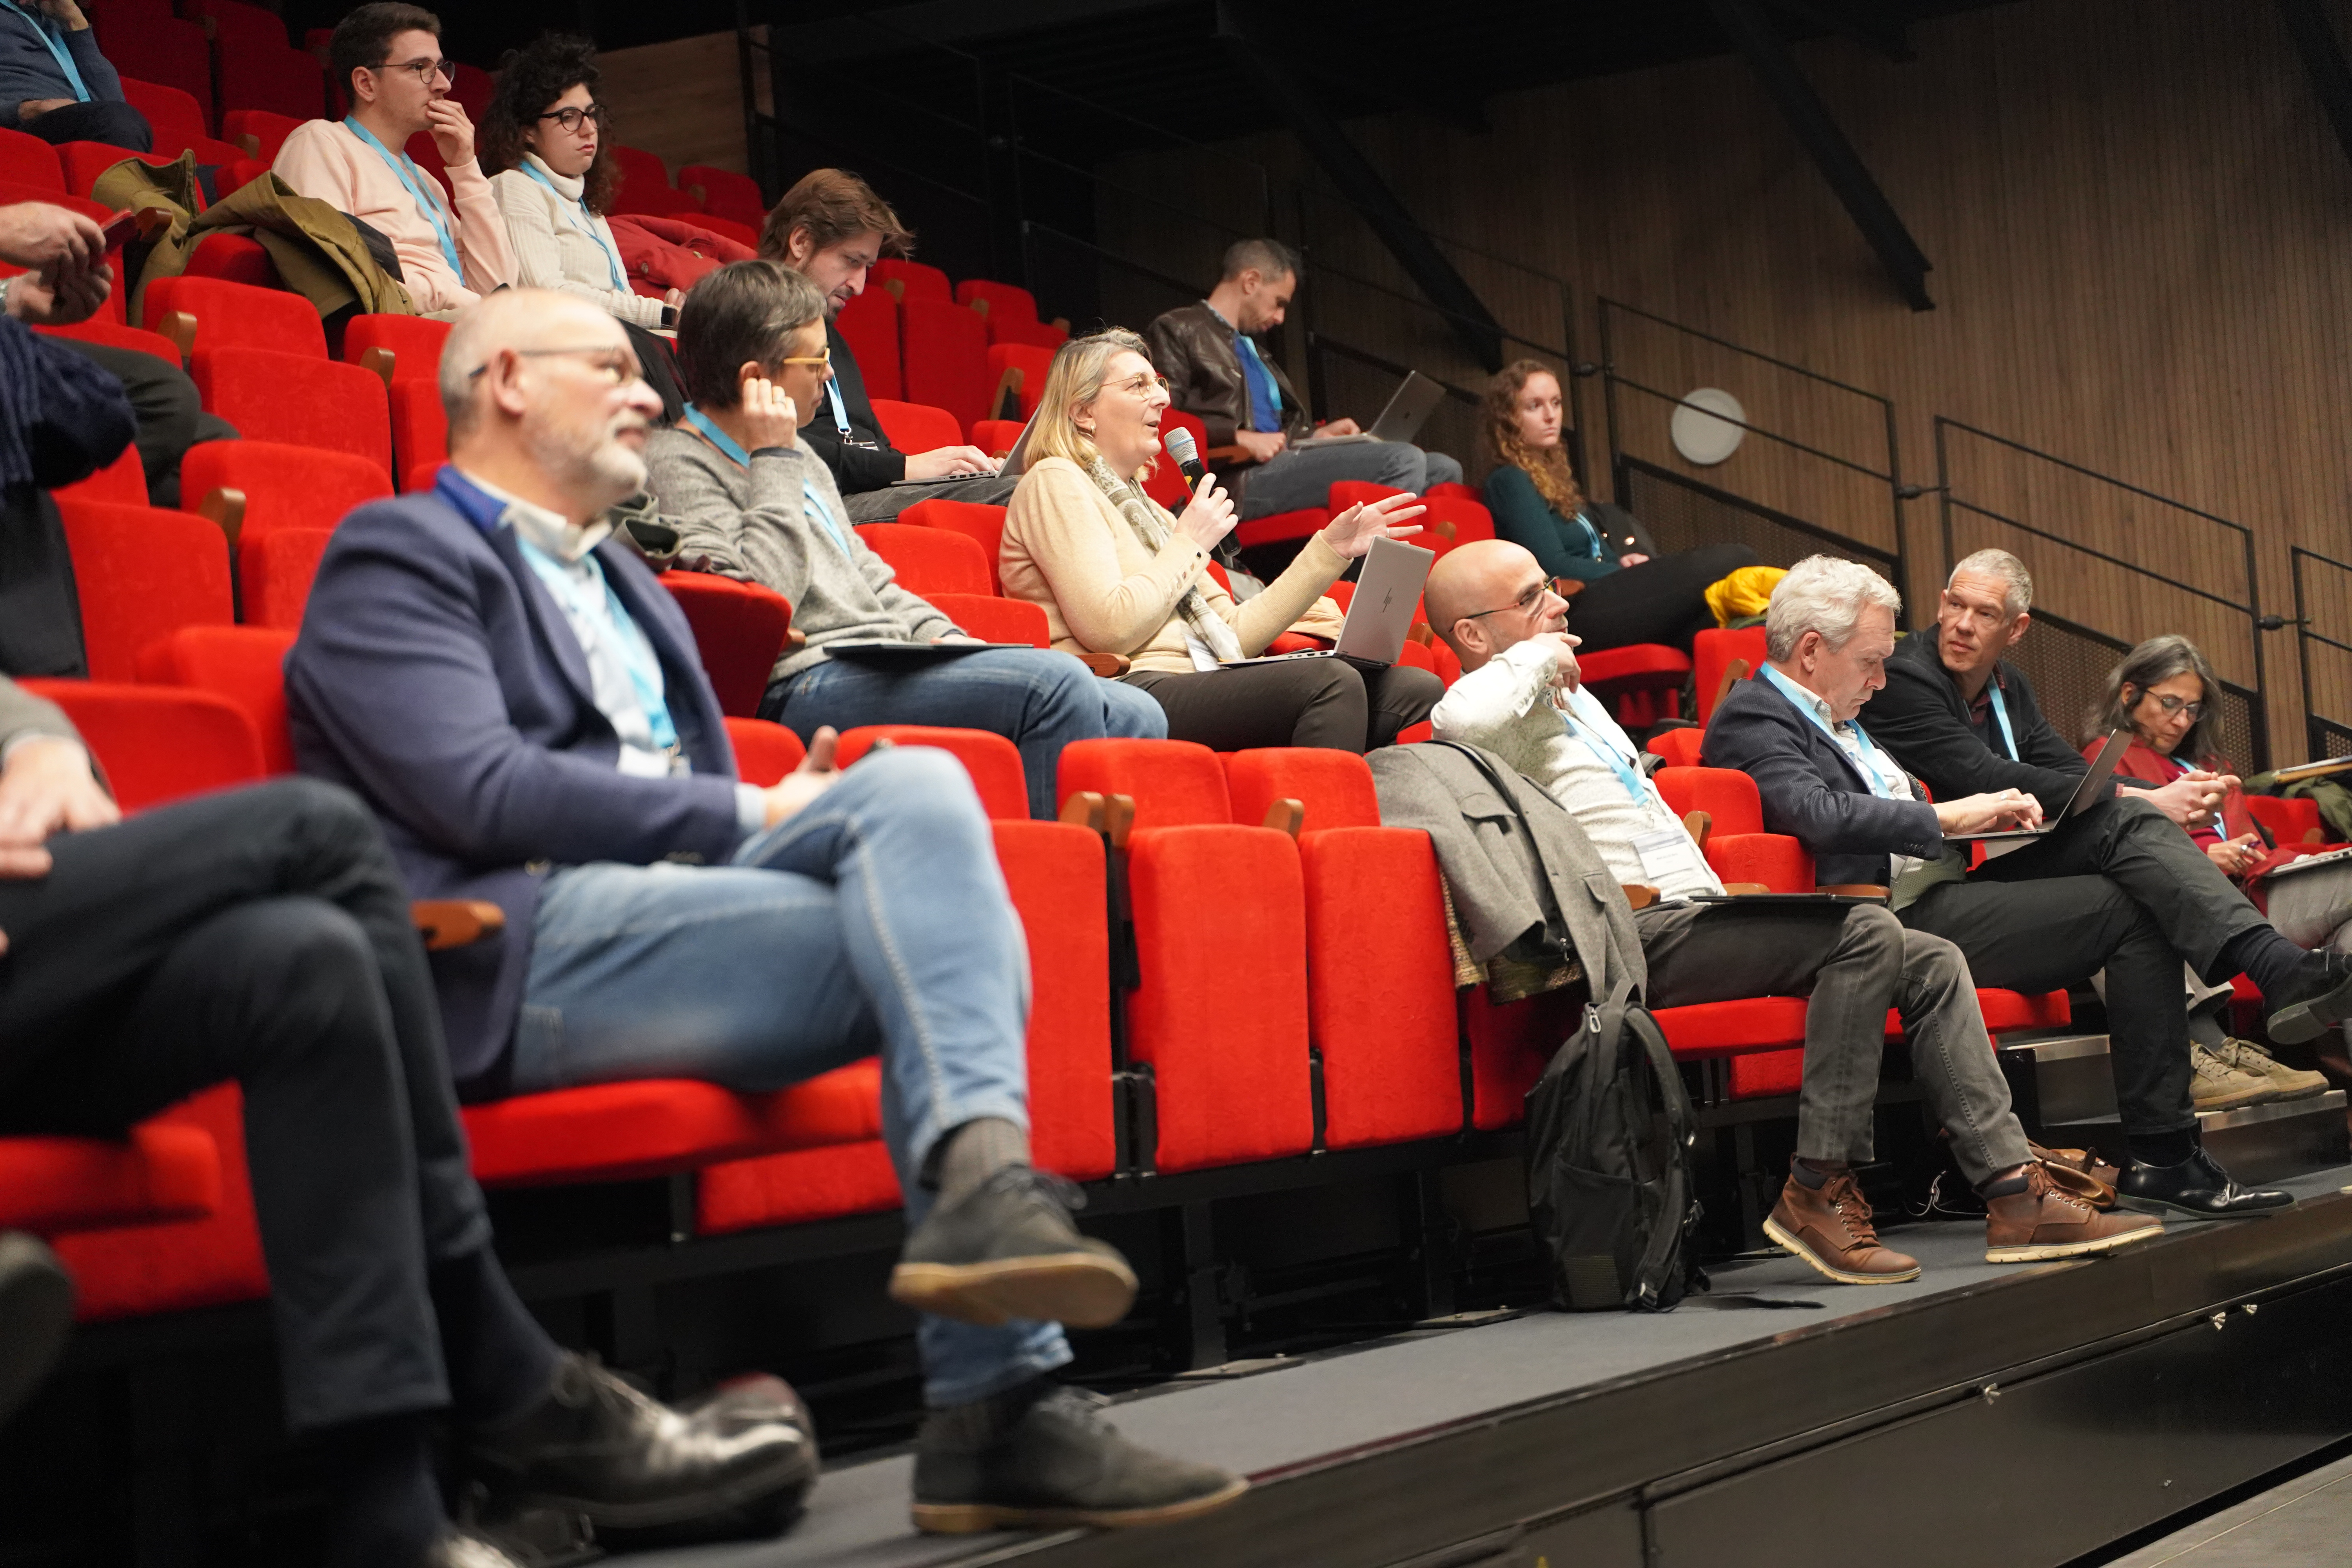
(589, 460)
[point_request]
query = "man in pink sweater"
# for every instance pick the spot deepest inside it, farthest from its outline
(389, 56)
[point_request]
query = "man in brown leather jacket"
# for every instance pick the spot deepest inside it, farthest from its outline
(1217, 374)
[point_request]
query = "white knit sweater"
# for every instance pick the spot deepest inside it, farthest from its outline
(553, 247)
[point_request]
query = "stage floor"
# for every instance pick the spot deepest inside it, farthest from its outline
(1304, 1415)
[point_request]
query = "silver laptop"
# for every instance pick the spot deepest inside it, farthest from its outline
(2086, 795)
(1402, 420)
(1017, 460)
(1379, 615)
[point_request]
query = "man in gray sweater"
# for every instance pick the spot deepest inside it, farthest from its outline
(751, 501)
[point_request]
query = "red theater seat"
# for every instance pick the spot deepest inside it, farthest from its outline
(1017, 376)
(398, 347)
(278, 485)
(1681, 748)
(869, 326)
(173, 114)
(916, 427)
(275, 571)
(930, 560)
(26, 159)
(122, 482)
(992, 619)
(160, 1171)
(993, 762)
(1712, 655)
(259, 132)
(976, 521)
(298, 399)
(151, 44)
(765, 752)
(996, 437)
(1641, 683)
(246, 665)
(906, 281)
(725, 194)
(233, 315)
(944, 348)
(740, 628)
(142, 574)
(995, 299)
(644, 186)
(420, 429)
(2293, 822)
(158, 744)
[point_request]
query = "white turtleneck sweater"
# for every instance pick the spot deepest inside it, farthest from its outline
(558, 244)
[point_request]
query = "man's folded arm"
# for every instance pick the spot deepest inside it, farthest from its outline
(394, 673)
(1800, 801)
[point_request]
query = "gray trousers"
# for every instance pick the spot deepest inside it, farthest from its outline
(1852, 961)
(883, 505)
(1297, 480)
(2313, 911)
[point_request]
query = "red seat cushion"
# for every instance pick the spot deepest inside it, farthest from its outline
(243, 664)
(173, 114)
(930, 560)
(1728, 797)
(157, 744)
(944, 348)
(764, 751)
(1730, 1029)
(1282, 525)
(1172, 783)
(1643, 664)
(2005, 1011)
(976, 521)
(413, 343)
(645, 185)
(1712, 653)
(993, 762)
(725, 193)
(26, 160)
(739, 630)
(1038, 334)
(992, 619)
(142, 574)
(1006, 299)
(161, 1170)
(916, 427)
(268, 130)
(233, 259)
(610, 1131)
(295, 398)
(275, 571)
(869, 326)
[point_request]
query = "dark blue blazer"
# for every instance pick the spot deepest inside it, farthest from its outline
(1812, 790)
(437, 677)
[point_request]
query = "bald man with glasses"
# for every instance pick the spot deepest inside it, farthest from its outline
(451, 251)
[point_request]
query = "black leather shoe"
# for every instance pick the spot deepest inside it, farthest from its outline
(2196, 1188)
(1007, 1249)
(729, 1410)
(596, 1447)
(2321, 995)
(464, 1549)
(35, 1315)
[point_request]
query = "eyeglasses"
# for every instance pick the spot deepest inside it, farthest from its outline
(1141, 385)
(426, 70)
(1523, 604)
(2172, 705)
(572, 119)
(822, 356)
(621, 364)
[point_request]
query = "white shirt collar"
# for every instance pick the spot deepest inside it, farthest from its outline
(551, 532)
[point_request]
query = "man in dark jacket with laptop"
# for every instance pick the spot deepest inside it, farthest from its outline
(2112, 888)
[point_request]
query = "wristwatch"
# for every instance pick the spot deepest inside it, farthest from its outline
(669, 316)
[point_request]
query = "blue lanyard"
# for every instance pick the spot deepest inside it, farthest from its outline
(51, 34)
(2000, 712)
(638, 661)
(1600, 552)
(587, 224)
(403, 167)
(840, 409)
(1608, 755)
(1804, 701)
(734, 448)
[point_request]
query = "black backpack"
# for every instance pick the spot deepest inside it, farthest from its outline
(1610, 1190)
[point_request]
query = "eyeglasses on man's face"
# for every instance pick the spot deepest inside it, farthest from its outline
(425, 70)
(620, 364)
(573, 119)
(1524, 604)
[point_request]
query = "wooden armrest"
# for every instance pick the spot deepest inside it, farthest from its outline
(1698, 825)
(1227, 457)
(1421, 633)
(1008, 385)
(795, 638)
(251, 143)
(1109, 666)
(1736, 670)
(1641, 895)
(180, 328)
(1742, 889)
(1853, 889)
(1286, 817)
(898, 287)
(379, 360)
(1083, 809)
(455, 923)
(226, 509)
(981, 305)
(1567, 587)
(1118, 819)
(2314, 836)
(1061, 322)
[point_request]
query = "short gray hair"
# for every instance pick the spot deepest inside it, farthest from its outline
(497, 320)
(1823, 594)
(2017, 583)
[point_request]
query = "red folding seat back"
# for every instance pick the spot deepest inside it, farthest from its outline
(1172, 783)
(26, 159)
(283, 486)
(1279, 527)
(160, 1171)
(420, 429)
(1712, 655)
(928, 560)
(916, 427)
(275, 571)
(992, 761)
(2010, 1012)
(1166, 483)
(912, 280)
(869, 326)
(796, 1187)
(764, 751)
(122, 482)
(1738, 847)
(235, 315)
(2293, 822)
(162, 49)
(992, 619)
(84, 161)
(945, 349)
(1727, 796)
(97, 212)
(1345, 494)
(1679, 747)
(1016, 377)
(158, 744)
(609, 1131)
(114, 334)
(295, 398)
(1448, 521)
(738, 628)
(172, 112)
(976, 521)
(219, 155)
(243, 664)
(1336, 787)
(235, 259)
(995, 436)
(1641, 683)
(993, 298)
(1054, 873)
(143, 575)
(233, 24)
(260, 132)
(1036, 334)
(278, 78)
(725, 194)
(472, 87)
(413, 344)
(645, 185)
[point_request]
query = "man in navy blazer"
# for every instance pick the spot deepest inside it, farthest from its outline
(2033, 919)
(522, 704)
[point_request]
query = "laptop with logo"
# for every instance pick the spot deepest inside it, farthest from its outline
(1379, 616)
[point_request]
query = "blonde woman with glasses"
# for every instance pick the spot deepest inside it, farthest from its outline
(1118, 574)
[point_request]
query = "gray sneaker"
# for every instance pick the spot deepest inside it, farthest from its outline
(1041, 1456)
(2250, 1058)
(2218, 1086)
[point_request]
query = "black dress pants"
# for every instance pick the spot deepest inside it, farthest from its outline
(170, 419)
(116, 124)
(262, 935)
(1662, 600)
(1324, 702)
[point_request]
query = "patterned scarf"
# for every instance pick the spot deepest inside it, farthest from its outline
(1193, 605)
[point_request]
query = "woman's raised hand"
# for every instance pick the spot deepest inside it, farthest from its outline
(1352, 531)
(1208, 517)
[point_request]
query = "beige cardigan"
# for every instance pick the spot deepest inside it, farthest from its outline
(1068, 549)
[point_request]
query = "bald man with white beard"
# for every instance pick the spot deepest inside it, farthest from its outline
(1520, 698)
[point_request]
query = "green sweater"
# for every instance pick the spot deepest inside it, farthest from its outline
(1564, 547)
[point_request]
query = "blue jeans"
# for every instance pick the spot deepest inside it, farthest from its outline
(874, 920)
(1039, 700)
(1295, 480)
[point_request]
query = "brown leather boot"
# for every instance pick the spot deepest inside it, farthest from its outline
(2080, 1172)
(2045, 1222)
(1830, 1227)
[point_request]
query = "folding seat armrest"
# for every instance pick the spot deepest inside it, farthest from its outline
(380, 360)
(224, 509)
(1698, 825)
(180, 328)
(1109, 666)
(1083, 809)
(1740, 889)
(1286, 817)
(1639, 895)
(446, 923)
(1733, 673)
(1853, 889)
(251, 142)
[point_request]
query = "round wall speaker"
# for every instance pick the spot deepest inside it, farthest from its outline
(1708, 425)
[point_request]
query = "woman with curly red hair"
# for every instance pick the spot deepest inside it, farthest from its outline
(1626, 591)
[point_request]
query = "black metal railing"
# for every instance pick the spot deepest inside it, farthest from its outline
(1835, 490)
(2323, 599)
(2079, 531)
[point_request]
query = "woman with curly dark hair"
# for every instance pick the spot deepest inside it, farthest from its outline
(542, 140)
(1624, 591)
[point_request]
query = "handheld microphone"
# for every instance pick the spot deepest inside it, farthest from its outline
(1187, 453)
